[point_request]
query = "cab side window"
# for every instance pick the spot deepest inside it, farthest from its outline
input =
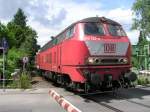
(61, 37)
(69, 32)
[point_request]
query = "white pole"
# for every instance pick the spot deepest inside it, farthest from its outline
(3, 69)
(23, 66)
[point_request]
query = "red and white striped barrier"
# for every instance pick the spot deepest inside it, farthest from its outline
(63, 103)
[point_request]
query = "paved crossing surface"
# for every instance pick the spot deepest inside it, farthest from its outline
(28, 101)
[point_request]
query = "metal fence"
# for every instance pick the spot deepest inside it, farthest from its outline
(144, 72)
(9, 83)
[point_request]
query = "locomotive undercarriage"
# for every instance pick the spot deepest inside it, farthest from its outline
(93, 82)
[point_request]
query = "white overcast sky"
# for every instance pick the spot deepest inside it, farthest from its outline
(49, 17)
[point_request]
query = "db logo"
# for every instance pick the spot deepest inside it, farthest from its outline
(109, 48)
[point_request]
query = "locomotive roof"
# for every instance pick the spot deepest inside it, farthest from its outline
(99, 19)
(90, 19)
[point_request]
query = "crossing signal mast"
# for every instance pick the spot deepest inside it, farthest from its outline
(4, 48)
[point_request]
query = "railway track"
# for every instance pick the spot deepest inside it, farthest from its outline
(104, 104)
(108, 106)
(123, 97)
(104, 99)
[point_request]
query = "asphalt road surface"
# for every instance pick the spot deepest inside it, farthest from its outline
(36, 100)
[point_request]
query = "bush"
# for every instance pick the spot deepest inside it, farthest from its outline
(139, 82)
(147, 81)
(15, 84)
(143, 81)
(25, 81)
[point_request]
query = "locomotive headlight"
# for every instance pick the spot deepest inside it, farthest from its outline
(91, 60)
(124, 60)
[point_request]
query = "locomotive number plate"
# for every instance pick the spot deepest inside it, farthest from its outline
(109, 48)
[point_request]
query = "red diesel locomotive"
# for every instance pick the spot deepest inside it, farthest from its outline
(91, 54)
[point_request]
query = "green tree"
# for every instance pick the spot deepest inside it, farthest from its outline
(141, 42)
(30, 43)
(16, 34)
(30, 46)
(24, 37)
(16, 28)
(23, 40)
(3, 30)
(141, 22)
(141, 38)
(141, 9)
(20, 18)
(13, 57)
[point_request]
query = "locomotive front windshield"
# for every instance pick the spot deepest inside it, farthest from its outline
(93, 29)
(116, 30)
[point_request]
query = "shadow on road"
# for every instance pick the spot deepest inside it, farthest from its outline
(121, 94)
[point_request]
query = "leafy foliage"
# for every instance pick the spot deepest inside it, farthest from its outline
(3, 31)
(143, 80)
(142, 12)
(20, 18)
(135, 62)
(22, 41)
(141, 22)
(13, 57)
(25, 81)
(16, 34)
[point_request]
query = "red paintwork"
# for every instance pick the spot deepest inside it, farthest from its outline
(69, 57)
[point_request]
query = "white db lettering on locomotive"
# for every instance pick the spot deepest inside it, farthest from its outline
(109, 48)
